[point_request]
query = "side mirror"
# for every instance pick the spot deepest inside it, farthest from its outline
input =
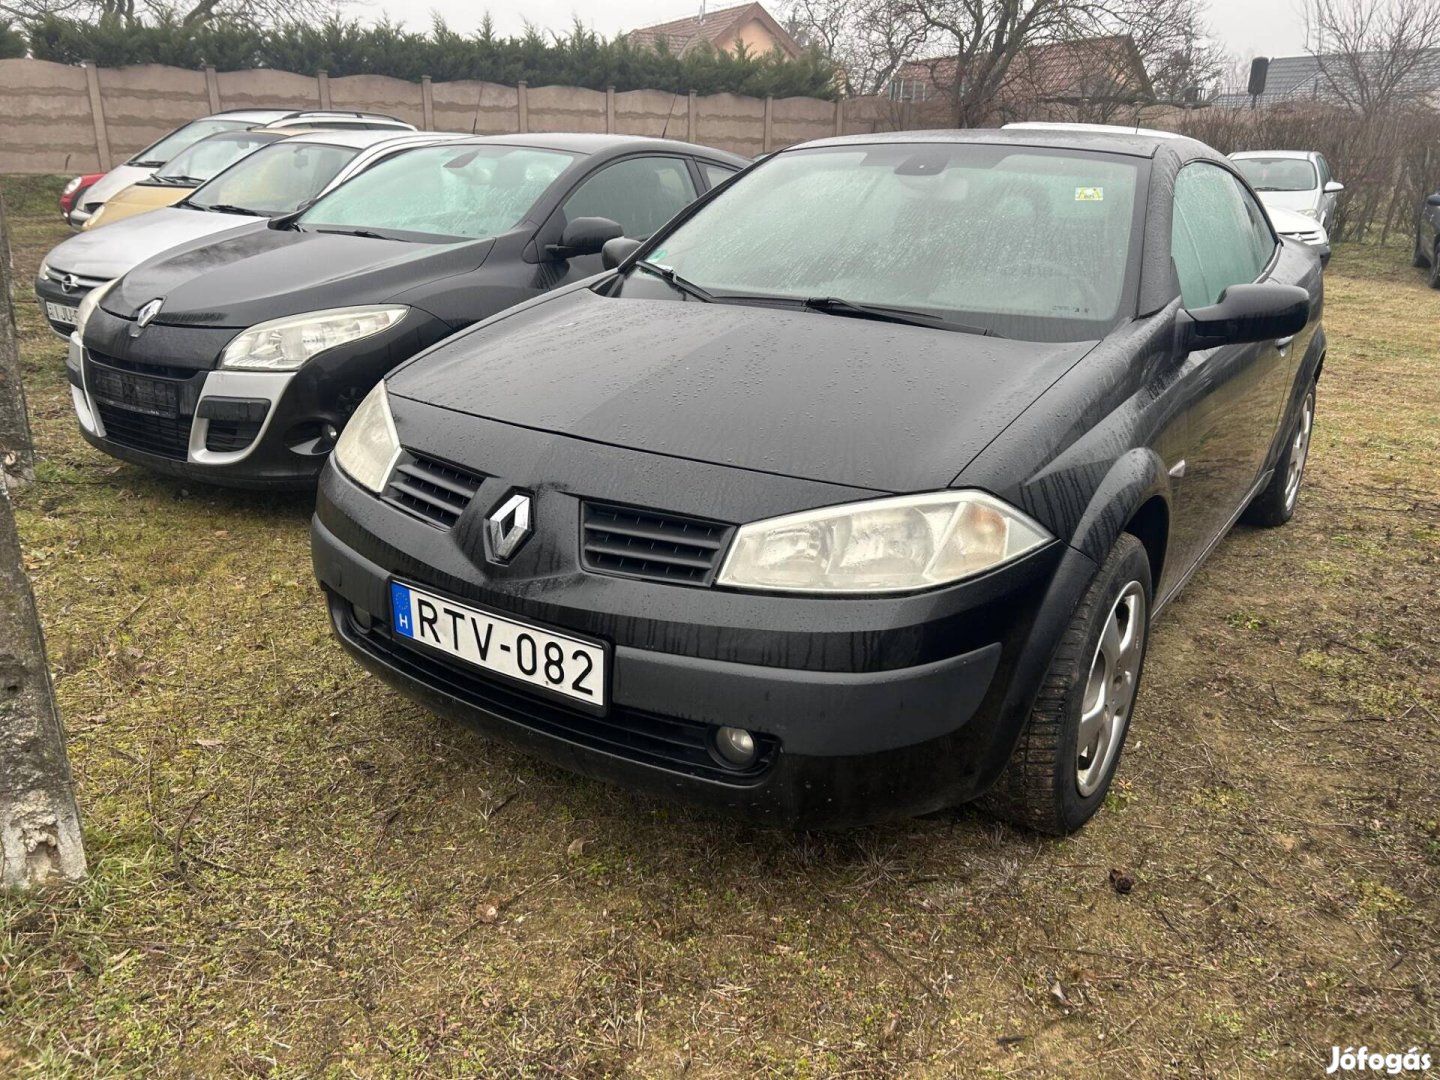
(584, 236)
(1243, 314)
(1433, 200)
(617, 251)
(1333, 187)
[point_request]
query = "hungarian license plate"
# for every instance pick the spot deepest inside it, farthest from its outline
(61, 313)
(527, 654)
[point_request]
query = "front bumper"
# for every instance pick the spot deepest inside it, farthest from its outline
(864, 709)
(156, 399)
(63, 291)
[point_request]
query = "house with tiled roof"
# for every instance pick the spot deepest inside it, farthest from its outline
(1047, 81)
(727, 29)
(1332, 79)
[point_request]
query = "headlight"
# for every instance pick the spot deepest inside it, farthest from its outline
(369, 446)
(888, 545)
(1311, 212)
(44, 270)
(69, 188)
(88, 304)
(285, 344)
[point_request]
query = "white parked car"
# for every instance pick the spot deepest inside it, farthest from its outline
(157, 154)
(1298, 180)
(274, 180)
(1302, 227)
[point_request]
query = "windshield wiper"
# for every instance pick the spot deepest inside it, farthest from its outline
(177, 181)
(147, 164)
(834, 305)
(668, 275)
(368, 234)
(227, 208)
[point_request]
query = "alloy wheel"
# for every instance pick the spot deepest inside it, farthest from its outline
(1110, 689)
(1299, 449)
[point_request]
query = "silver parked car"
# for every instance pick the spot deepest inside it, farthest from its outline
(1298, 180)
(157, 154)
(274, 180)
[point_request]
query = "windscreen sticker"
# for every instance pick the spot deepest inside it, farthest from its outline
(1089, 194)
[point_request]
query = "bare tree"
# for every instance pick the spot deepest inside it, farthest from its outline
(261, 13)
(39, 824)
(867, 39)
(1370, 51)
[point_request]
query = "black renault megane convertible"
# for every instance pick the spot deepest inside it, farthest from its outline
(852, 493)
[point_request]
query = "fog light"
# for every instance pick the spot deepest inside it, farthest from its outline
(735, 745)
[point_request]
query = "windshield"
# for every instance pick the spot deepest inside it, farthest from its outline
(1018, 241)
(442, 192)
(275, 179)
(1278, 174)
(159, 153)
(211, 156)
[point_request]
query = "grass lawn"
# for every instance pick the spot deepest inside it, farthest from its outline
(296, 873)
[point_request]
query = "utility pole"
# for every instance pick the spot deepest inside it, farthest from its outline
(40, 841)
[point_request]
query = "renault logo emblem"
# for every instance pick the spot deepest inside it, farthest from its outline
(508, 527)
(146, 314)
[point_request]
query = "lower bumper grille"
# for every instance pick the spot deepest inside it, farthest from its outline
(165, 437)
(667, 742)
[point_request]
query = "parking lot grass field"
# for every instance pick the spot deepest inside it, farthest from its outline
(297, 873)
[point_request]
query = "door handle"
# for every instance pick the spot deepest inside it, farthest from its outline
(1284, 343)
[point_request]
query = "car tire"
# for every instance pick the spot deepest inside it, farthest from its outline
(1053, 784)
(1419, 259)
(1435, 266)
(1275, 505)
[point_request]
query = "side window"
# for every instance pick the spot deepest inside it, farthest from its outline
(640, 193)
(1325, 176)
(715, 175)
(1219, 236)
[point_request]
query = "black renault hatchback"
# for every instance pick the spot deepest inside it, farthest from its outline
(854, 492)
(237, 361)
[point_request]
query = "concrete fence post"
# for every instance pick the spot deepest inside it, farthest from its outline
(212, 87)
(427, 103)
(768, 136)
(839, 116)
(690, 118)
(97, 115)
(322, 84)
(522, 105)
(609, 110)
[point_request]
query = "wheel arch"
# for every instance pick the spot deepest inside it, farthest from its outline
(1133, 497)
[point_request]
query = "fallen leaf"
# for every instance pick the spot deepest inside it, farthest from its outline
(1122, 881)
(209, 744)
(1058, 993)
(576, 848)
(487, 913)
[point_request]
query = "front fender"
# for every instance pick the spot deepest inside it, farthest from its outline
(1133, 480)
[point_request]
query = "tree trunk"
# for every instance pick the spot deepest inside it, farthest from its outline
(17, 451)
(39, 824)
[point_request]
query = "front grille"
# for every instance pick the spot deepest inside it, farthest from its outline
(650, 544)
(645, 737)
(164, 436)
(432, 490)
(142, 406)
(231, 436)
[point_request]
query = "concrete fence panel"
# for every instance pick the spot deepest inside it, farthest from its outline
(45, 121)
(147, 101)
(482, 107)
(379, 93)
(796, 120)
(566, 108)
(655, 113)
(731, 122)
(266, 89)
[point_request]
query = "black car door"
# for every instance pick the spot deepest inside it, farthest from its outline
(642, 193)
(1219, 238)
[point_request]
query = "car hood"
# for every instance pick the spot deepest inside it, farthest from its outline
(797, 393)
(109, 252)
(1291, 221)
(1289, 200)
(263, 274)
(114, 181)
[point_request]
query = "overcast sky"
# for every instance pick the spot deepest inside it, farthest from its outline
(1245, 27)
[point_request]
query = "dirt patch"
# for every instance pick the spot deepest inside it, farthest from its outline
(298, 874)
